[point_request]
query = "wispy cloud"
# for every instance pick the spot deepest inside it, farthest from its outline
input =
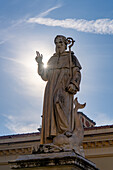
(99, 26)
(2, 42)
(102, 119)
(12, 59)
(43, 14)
(23, 67)
(25, 121)
(5, 34)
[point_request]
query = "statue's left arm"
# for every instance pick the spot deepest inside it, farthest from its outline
(74, 85)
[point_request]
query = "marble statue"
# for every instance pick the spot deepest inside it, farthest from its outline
(62, 131)
(61, 125)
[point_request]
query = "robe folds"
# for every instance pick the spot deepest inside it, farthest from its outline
(58, 116)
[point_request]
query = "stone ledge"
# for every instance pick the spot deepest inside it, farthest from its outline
(53, 160)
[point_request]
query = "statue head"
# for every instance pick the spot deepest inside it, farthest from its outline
(61, 44)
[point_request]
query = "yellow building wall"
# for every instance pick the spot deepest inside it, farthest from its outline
(103, 163)
(97, 144)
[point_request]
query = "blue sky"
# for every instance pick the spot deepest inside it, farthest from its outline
(30, 25)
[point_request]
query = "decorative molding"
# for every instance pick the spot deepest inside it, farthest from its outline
(97, 144)
(22, 151)
(28, 150)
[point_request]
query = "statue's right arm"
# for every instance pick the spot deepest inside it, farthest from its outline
(41, 70)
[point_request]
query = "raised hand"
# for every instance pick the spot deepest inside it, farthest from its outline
(39, 57)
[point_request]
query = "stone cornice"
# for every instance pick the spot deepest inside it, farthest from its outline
(20, 151)
(86, 145)
(19, 142)
(97, 144)
(99, 156)
(96, 137)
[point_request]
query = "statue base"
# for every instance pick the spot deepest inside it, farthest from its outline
(53, 161)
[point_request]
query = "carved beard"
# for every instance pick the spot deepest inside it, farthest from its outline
(60, 50)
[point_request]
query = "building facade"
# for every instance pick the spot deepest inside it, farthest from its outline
(97, 144)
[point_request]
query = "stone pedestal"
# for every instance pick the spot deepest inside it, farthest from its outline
(53, 161)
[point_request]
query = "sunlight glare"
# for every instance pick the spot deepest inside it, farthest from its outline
(25, 66)
(45, 65)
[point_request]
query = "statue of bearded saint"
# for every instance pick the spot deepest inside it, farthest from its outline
(59, 121)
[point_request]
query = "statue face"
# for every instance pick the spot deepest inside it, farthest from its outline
(60, 45)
